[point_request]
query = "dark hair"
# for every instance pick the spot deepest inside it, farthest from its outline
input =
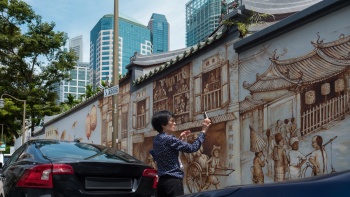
(160, 119)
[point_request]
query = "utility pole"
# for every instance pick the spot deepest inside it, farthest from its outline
(115, 74)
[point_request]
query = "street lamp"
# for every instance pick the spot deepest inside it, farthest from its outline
(2, 104)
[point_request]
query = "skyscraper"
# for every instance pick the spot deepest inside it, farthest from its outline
(202, 18)
(79, 75)
(77, 85)
(76, 44)
(160, 36)
(133, 37)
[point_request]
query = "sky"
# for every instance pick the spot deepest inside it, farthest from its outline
(78, 17)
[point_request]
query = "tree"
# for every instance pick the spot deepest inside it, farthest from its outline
(8, 114)
(32, 60)
(69, 104)
(71, 101)
(89, 91)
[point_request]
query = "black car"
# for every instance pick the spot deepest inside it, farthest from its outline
(330, 185)
(53, 168)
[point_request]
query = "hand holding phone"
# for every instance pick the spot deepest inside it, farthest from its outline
(205, 115)
(206, 123)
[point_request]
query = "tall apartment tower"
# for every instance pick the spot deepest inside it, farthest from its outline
(77, 85)
(160, 33)
(133, 37)
(202, 18)
(76, 44)
(79, 75)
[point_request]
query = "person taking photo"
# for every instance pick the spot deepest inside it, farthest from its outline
(166, 149)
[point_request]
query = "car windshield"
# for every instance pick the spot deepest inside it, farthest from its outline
(81, 151)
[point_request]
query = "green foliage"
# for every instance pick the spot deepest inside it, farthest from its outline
(89, 91)
(69, 104)
(33, 62)
(244, 25)
(8, 114)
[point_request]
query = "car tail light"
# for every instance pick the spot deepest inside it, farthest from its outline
(40, 176)
(151, 173)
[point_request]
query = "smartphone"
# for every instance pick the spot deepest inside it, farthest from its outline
(205, 115)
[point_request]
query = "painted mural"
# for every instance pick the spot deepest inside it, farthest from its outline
(295, 117)
(207, 168)
(84, 125)
(173, 93)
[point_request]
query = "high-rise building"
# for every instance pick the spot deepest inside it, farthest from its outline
(202, 18)
(76, 44)
(77, 85)
(160, 36)
(79, 75)
(133, 37)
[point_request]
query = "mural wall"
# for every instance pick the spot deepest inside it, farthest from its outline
(294, 104)
(93, 123)
(84, 125)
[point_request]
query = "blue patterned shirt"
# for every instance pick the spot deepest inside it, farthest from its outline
(166, 153)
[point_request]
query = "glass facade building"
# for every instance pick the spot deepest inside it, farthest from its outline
(79, 75)
(160, 36)
(202, 18)
(133, 37)
(77, 85)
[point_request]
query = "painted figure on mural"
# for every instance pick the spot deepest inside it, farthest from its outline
(183, 86)
(318, 157)
(206, 89)
(156, 94)
(151, 162)
(212, 164)
(198, 157)
(162, 92)
(182, 105)
(278, 126)
(257, 171)
(280, 159)
(293, 128)
(270, 145)
(285, 131)
(201, 158)
(142, 110)
(296, 159)
(212, 78)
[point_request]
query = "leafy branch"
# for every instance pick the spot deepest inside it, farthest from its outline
(244, 25)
